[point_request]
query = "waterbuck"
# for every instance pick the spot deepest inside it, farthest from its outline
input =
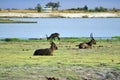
(47, 51)
(53, 36)
(88, 44)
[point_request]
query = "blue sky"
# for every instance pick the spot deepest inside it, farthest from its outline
(65, 4)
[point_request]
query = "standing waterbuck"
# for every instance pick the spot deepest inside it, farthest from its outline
(53, 36)
(87, 44)
(47, 51)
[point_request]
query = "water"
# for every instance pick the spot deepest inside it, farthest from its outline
(66, 27)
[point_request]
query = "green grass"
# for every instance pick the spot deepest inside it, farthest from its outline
(18, 63)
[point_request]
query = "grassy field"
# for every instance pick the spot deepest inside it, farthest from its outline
(67, 63)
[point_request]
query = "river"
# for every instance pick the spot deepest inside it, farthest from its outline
(66, 27)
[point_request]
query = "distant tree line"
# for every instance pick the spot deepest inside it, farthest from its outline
(53, 5)
(96, 9)
(56, 5)
(84, 8)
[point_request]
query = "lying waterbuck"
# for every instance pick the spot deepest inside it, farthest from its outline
(47, 51)
(88, 44)
(53, 36)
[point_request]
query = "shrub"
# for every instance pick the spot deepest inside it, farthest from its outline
(11, 39)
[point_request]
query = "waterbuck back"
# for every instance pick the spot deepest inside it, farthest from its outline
(53, 36)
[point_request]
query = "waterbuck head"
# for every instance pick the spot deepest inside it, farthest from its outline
(53, 46)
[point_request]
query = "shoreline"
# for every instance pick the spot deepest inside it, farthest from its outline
(3, 21)
(60, 15)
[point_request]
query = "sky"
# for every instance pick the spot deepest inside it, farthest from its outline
(65, 4)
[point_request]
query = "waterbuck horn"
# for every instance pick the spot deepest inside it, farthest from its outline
(91, 35)
(46, 35)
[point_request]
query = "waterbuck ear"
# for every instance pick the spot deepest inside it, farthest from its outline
(91, 35)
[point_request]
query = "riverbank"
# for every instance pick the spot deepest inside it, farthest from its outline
(61, 15)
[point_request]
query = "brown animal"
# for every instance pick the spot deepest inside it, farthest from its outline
(88, 44)
(53, 36)
(47, 51)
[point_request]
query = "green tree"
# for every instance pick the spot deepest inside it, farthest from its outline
(38, 8)
(114, 9)
(57, 5)
(85, 8)
(50, 4)
(100, 9)
(53, 5)
(97, 9)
